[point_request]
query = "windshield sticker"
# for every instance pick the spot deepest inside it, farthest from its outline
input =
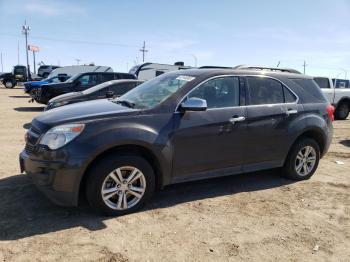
(185, 78)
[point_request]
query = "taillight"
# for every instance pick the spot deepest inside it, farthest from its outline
(330, 111)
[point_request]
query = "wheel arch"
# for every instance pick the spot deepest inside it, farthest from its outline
(313, 133)
(140, 150)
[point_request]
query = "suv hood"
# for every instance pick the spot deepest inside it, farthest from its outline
(65, 96)
(81, 112)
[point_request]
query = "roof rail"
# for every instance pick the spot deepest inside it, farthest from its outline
(213, 67)
(274, 69)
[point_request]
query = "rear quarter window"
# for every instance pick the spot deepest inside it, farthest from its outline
(310, 89)
(322, 82)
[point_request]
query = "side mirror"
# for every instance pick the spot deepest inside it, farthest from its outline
(110, 94)
(193, 104)
(78, 83)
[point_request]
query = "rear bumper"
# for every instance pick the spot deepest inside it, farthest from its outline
(328, 139)
(58, 180)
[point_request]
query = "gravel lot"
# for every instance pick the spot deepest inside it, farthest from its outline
(257, 216)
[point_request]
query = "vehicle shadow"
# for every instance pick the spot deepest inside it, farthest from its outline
(345, 142)
(27, 125)
(19, 96)
(29, 109)
(25, 212)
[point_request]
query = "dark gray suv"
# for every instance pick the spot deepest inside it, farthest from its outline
(181, 126)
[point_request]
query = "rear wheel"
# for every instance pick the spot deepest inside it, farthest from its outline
(119, 185)
(342, 111)
(302, 160)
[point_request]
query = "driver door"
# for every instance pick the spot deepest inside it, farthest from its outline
(210, 143)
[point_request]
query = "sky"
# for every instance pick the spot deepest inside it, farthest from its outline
(221, 33)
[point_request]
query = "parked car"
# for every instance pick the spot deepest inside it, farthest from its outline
(28, 86)
(77, 83)
(181, 126)
(18, 74)
(45, 70)
(337, 96)
(147, 71)
(110, 89)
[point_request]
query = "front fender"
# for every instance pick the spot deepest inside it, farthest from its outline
(117, 135)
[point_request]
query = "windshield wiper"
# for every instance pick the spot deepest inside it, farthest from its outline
(125, 103)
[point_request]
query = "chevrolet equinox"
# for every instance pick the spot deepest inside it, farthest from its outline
(181, 126)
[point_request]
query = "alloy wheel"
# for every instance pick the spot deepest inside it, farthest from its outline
(123, 188)
(305, 161)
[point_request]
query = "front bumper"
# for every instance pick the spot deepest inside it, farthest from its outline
(59, 180)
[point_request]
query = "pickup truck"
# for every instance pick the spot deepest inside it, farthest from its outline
(337, 95)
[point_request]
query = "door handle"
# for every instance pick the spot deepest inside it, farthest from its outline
(291, 111)
(237, 119)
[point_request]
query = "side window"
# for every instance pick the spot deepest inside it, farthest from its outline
(121, 89)
(265, 91)
(90, 80)
(106, 77)
(219, 92)
(289, 97)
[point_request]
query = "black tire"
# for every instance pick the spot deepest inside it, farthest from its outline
(8, 83)
(98, 173)
(289, 168)
(342, 111)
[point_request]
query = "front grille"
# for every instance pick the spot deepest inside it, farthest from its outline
(29, 149)
(32, 138)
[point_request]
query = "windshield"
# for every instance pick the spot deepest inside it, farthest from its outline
(155, 91)
(96, 88)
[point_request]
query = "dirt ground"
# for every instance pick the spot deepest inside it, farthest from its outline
(256, 217)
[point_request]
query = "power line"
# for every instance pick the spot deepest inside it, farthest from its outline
(71, 40)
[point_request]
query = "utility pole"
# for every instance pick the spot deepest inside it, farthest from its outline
(143, 50)
(195, 60)
(2, 66)
(25, 31)
(17, 52)
(304, 65)
(34, 62)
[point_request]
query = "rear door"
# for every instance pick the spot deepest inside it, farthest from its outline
(271, 107)
(213, 139)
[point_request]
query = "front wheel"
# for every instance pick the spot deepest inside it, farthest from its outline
(342, 111)
(302, 160)
(118, 185)
(9, 83)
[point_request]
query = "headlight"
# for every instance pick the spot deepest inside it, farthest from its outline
(58, 136)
